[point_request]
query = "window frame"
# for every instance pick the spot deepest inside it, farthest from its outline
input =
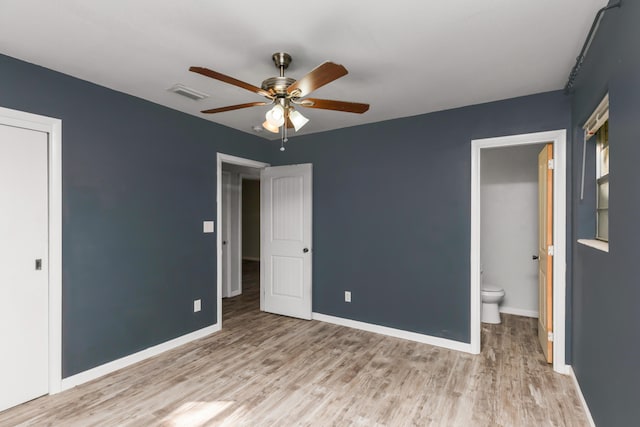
(598, 125)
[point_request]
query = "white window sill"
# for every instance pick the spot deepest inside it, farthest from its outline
(595, 244)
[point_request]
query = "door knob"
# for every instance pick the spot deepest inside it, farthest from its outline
(534, 257)
(305, 250)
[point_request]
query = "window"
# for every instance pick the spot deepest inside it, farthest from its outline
(598, 126)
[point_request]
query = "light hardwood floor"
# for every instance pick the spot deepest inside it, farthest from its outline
(268, 370)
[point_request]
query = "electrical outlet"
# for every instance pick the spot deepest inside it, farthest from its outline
(197, 305)
(347, 296)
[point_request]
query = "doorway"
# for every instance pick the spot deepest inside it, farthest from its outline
(47, 264)
(509, 225)
(285, 236)
(558, 139)
(240, 224)
(231, 173)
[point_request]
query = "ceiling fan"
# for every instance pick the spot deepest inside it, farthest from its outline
(285, 93)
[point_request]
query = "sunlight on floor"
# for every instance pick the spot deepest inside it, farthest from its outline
(193, 414)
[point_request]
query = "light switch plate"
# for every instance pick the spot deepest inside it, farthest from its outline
(207, 226)
(347, 296)
(197, 305)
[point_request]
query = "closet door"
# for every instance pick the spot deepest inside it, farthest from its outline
(24, 287)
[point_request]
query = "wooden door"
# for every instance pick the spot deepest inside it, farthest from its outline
(24, 285)
(545, 250)
(285, 227)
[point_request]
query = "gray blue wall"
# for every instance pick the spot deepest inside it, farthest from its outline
(138, 180)
(606, 289)
(391, 211)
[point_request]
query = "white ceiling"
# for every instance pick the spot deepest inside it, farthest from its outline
(405, 57)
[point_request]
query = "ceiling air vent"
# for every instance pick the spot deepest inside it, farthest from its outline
(188, 92)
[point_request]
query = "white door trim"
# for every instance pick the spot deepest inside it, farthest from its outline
(54, 128)
(234, 160)
(559, 140)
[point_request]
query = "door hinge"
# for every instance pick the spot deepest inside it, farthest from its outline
(551, 164)
(550, 336)
(550, 250)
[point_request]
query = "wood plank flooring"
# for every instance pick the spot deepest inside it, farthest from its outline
(268, 370)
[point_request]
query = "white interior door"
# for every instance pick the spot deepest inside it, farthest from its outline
(226, 234)
(24, 307)
(286, 240)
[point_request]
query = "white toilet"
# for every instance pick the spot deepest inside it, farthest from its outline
(491, 297)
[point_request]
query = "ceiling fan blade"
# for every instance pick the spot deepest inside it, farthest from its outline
(234, 107)
(230, 80)
(316, 78)
(328, 104)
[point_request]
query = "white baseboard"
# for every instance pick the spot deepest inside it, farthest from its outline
(519, 312)
(123, 362)
(581, 396)
(250, 258)
(397, 333)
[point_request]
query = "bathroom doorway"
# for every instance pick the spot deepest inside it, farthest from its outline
(509, 225)
(520, 301)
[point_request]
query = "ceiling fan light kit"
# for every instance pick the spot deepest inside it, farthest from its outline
(297, 119)
(268, 126)
(275, 116)
(284, 93)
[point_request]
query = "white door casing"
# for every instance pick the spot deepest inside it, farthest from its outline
(559, 140)
(24, 284)
(232, 160)
(53, 127)
(286, 247)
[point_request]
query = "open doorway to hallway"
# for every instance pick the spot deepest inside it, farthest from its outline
(240, 239)
(285, 240)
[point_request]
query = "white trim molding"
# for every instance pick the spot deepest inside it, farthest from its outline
(392, 332)
(559, 140)
(123, 362)
(519, 311)
(53, 127)
(572, 374)
(234, 160)
(595, 244)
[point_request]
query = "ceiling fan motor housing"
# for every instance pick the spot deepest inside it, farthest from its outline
(279, 85)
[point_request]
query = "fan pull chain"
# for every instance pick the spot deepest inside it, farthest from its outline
(284, 135)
